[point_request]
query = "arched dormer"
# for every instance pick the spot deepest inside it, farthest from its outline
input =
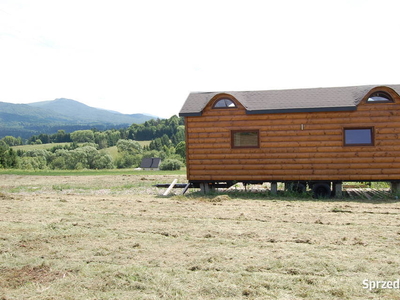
(381, 94)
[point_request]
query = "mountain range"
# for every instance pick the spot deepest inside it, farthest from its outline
(25, 120)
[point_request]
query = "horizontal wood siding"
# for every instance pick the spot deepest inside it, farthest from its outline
(294, 146)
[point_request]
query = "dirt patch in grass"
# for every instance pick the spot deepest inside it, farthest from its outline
(14, 278)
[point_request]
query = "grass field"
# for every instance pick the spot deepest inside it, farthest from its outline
(114, 237)
(38, 146)
(113, 151)
(89, 172)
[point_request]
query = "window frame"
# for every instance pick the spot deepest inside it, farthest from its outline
(224, 107)
(233, 132)
(371, 129)
(383, 95)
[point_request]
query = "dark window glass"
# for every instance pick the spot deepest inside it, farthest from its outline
(224, 103)
(245, 139)
(358, 136)
(380, 97)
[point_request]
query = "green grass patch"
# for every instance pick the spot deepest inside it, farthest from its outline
(62, 187)
(144, 143)
(88, 172)
(38, 147)
(113, 151)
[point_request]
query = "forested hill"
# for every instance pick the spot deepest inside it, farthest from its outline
(78, 111)
(25, 120)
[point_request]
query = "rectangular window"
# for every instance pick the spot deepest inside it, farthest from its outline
(358, 137)
(245, 139)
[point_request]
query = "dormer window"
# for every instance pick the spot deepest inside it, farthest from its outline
(380, 97)
(224, 103)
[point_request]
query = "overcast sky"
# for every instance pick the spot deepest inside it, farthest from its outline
(137, 56)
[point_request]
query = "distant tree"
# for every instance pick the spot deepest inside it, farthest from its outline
(156, 144)
(113, 136)
(153, 129)
(102, 161)
(152, 153)
(8, 157)
(61, 137)
(32, 163)
(179, 136)
(124, 134)
(20, 152)
(12, 141)
(101, 139)
(82, 136)
(37, 153)
(173, 122)
(129, 146)
(66, 146)
(86, 157)
(44, 138)
(125, 160)
(171, 164)
(62, 160)
(181, 149)
(32, 139)
(3, 149)
(155, 153)
(145, 133)
(59, 163)
(165, 140)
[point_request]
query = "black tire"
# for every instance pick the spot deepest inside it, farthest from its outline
(321, 190)
(297, 187)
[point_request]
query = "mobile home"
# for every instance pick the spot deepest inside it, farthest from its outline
(316, 137)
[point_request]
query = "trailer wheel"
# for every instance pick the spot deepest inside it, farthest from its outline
(321, 190)
(297, 187)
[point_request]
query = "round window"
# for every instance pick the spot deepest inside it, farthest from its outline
(380, 97)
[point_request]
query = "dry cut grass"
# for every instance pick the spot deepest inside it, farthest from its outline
(92, 238)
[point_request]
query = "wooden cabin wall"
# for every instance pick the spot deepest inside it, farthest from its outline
(295, 146)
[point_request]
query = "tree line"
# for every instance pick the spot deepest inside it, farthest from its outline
(82, 149)
(156, 128)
